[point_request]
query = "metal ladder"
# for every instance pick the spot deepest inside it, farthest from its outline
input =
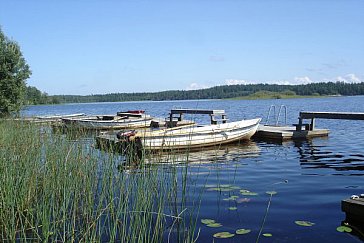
(276, 118)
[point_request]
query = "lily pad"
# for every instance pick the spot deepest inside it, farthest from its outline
(235, 187)
(223, 235)
(232, 198)
(344, 229)
(267, 234)
(220, 189)
(271, 192)
(304, 223)
(225, 185)
(233, 208)
(214, 225)
(207, 221)
(248, 193)
(242, 231)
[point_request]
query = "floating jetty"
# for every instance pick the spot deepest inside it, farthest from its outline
(287, 133)
(302, 130)
(48, 118)
(354, 209)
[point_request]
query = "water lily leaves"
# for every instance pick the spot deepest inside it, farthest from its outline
(267, 234)
(233, 208)
(235, 187)
(210, 223)
(207, 221)
(232, 198)
(214, 225)
(242, 231)
(223, 235)
(344, 229)
(271, 192)
(304, 223)
(220, 189)
(248, 193)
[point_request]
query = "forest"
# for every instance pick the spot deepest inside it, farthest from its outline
(220, 92)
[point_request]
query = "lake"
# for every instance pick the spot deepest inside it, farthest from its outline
(307, 179)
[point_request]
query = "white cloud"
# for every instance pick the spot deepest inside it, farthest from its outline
(349, 78)
(194, 86)
(238, 81)
(302, 80)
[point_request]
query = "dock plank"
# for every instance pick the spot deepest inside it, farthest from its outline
(286, 133)
(332, 115)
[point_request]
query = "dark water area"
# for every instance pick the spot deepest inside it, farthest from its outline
(310, 177)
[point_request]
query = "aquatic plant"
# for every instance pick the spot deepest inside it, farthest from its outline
(56, 188)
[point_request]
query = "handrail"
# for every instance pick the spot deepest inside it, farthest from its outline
(276, 117)
(279, 114)
(272, 107)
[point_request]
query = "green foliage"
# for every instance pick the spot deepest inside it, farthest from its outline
(251, 91)
(34, 96)
(13, 72)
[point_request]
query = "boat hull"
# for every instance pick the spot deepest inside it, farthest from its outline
(96, 124)
(195, 137)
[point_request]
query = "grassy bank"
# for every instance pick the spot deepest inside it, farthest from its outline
(273, 95)
(56, 189)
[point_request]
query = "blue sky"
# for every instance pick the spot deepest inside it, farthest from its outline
(96, 47)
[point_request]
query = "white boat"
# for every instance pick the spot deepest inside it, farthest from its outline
(192, 137)
(55, 117)
(123, 120)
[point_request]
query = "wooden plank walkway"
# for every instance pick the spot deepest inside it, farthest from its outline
(332, 115)
(286, 133)
(325, 115)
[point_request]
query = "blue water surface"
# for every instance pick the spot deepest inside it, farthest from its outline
(311, 177)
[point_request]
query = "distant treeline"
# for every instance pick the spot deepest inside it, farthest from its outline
(219, 92)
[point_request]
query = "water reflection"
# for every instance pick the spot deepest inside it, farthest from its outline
(215, 154)
(314, 155)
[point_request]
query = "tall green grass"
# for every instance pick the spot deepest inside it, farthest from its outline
(53, 188)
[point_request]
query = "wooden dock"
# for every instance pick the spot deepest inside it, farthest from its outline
(354, 209)
(287, 133)
(312, 115)
(303, 130)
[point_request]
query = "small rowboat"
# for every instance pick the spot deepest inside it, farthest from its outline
(123, 120)
(191, 137)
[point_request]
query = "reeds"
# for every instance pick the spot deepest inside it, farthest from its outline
(56, 189)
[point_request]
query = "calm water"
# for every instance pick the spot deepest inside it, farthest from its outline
(310, 177)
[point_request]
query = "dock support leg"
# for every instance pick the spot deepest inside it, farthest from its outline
(312, 126)
(299, 126)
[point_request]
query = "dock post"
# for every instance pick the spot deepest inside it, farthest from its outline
(170, 117)
(223, 117)
(312, 126)
(299, 125)
(213, 121)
